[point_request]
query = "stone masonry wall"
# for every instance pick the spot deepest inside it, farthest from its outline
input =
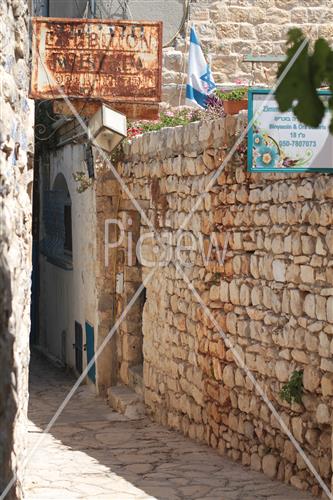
(230, 29)
(273, 296)
(16, 147)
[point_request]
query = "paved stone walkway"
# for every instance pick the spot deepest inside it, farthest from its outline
(95, 453)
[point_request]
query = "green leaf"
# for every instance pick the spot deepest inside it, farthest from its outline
(298, 88)
(292, 390)
(329, 69)
(319, 61)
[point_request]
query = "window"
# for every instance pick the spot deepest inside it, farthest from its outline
(57, 241)
(68, 248)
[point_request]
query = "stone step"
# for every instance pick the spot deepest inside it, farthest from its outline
(135, 379)
(125, 400)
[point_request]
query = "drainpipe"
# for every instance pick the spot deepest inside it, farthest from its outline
(93, 8)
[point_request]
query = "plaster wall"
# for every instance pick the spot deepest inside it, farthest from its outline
(66, 295)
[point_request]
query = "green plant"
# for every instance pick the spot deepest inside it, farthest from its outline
(311, 69)
(238, 94)
(215, 108)
(292, 390)
(173, 119)
(169, 118)
(84, 182)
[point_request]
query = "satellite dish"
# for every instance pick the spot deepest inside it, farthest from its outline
(173, 13)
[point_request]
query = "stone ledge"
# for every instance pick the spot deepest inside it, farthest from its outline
(126, 401)
(190, 140)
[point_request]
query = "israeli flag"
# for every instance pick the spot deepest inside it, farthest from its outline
(200, 81)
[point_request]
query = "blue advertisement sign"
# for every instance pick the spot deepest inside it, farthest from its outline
(278, 142)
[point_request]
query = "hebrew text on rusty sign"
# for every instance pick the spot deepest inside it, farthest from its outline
(96, 58)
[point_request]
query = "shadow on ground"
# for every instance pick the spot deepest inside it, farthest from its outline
(94, 453)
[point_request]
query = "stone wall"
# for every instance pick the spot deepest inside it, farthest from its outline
(116, 270)
(230, 29)
(16, 146)
(272, 296)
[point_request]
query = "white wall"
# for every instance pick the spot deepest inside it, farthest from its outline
(67, 296)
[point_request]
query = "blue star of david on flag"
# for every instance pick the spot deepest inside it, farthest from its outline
(208, 79)
(200, 81)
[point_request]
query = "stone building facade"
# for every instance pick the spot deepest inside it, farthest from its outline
(16, 176)
(272, 296)
(230, 29)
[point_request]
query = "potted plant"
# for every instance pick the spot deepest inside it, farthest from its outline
(234, 100)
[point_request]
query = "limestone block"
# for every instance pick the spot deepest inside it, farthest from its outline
(329, 240)
(296, 244)
(326, 365)
(324, 467)
(320, 247)
(267, 297)
(242, 195)
(310, 305)
(324, 345)
(298, 428)
(266, 267)
(174, 303)
(254, 196)
(305, 190)
(261, 218)
(308, 245)
(255, 462)
(228, 376)
(311, 342)
(244, 403)
(224, 291)
(282, 369)
(279, 270)
(172, 59)
(278, 245)
(300, 356)
(326, 217)
(285, 301)
(298, 483)
(234, 292)
(256, 295)
(327, 384)
(269, 465)
(237, 264)
(214, 293)
(311, 378)
(329, 309)
(217, 369)
(323, 414)
(289, 451)
(312, 436)
(244, 295)
(307, 274)
(254, 266)
(180, 322)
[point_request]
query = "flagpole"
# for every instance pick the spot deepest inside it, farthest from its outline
(189, 25)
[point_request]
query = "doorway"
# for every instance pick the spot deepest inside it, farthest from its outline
(90, 349)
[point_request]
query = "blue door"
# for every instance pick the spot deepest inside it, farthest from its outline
(90, 350)
(78, 346)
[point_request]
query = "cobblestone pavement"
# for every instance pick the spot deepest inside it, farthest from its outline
(95, 453)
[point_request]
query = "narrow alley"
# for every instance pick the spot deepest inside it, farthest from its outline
(93, 452)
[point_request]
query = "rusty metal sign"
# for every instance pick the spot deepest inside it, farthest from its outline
(87, 108)
(108, 60)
